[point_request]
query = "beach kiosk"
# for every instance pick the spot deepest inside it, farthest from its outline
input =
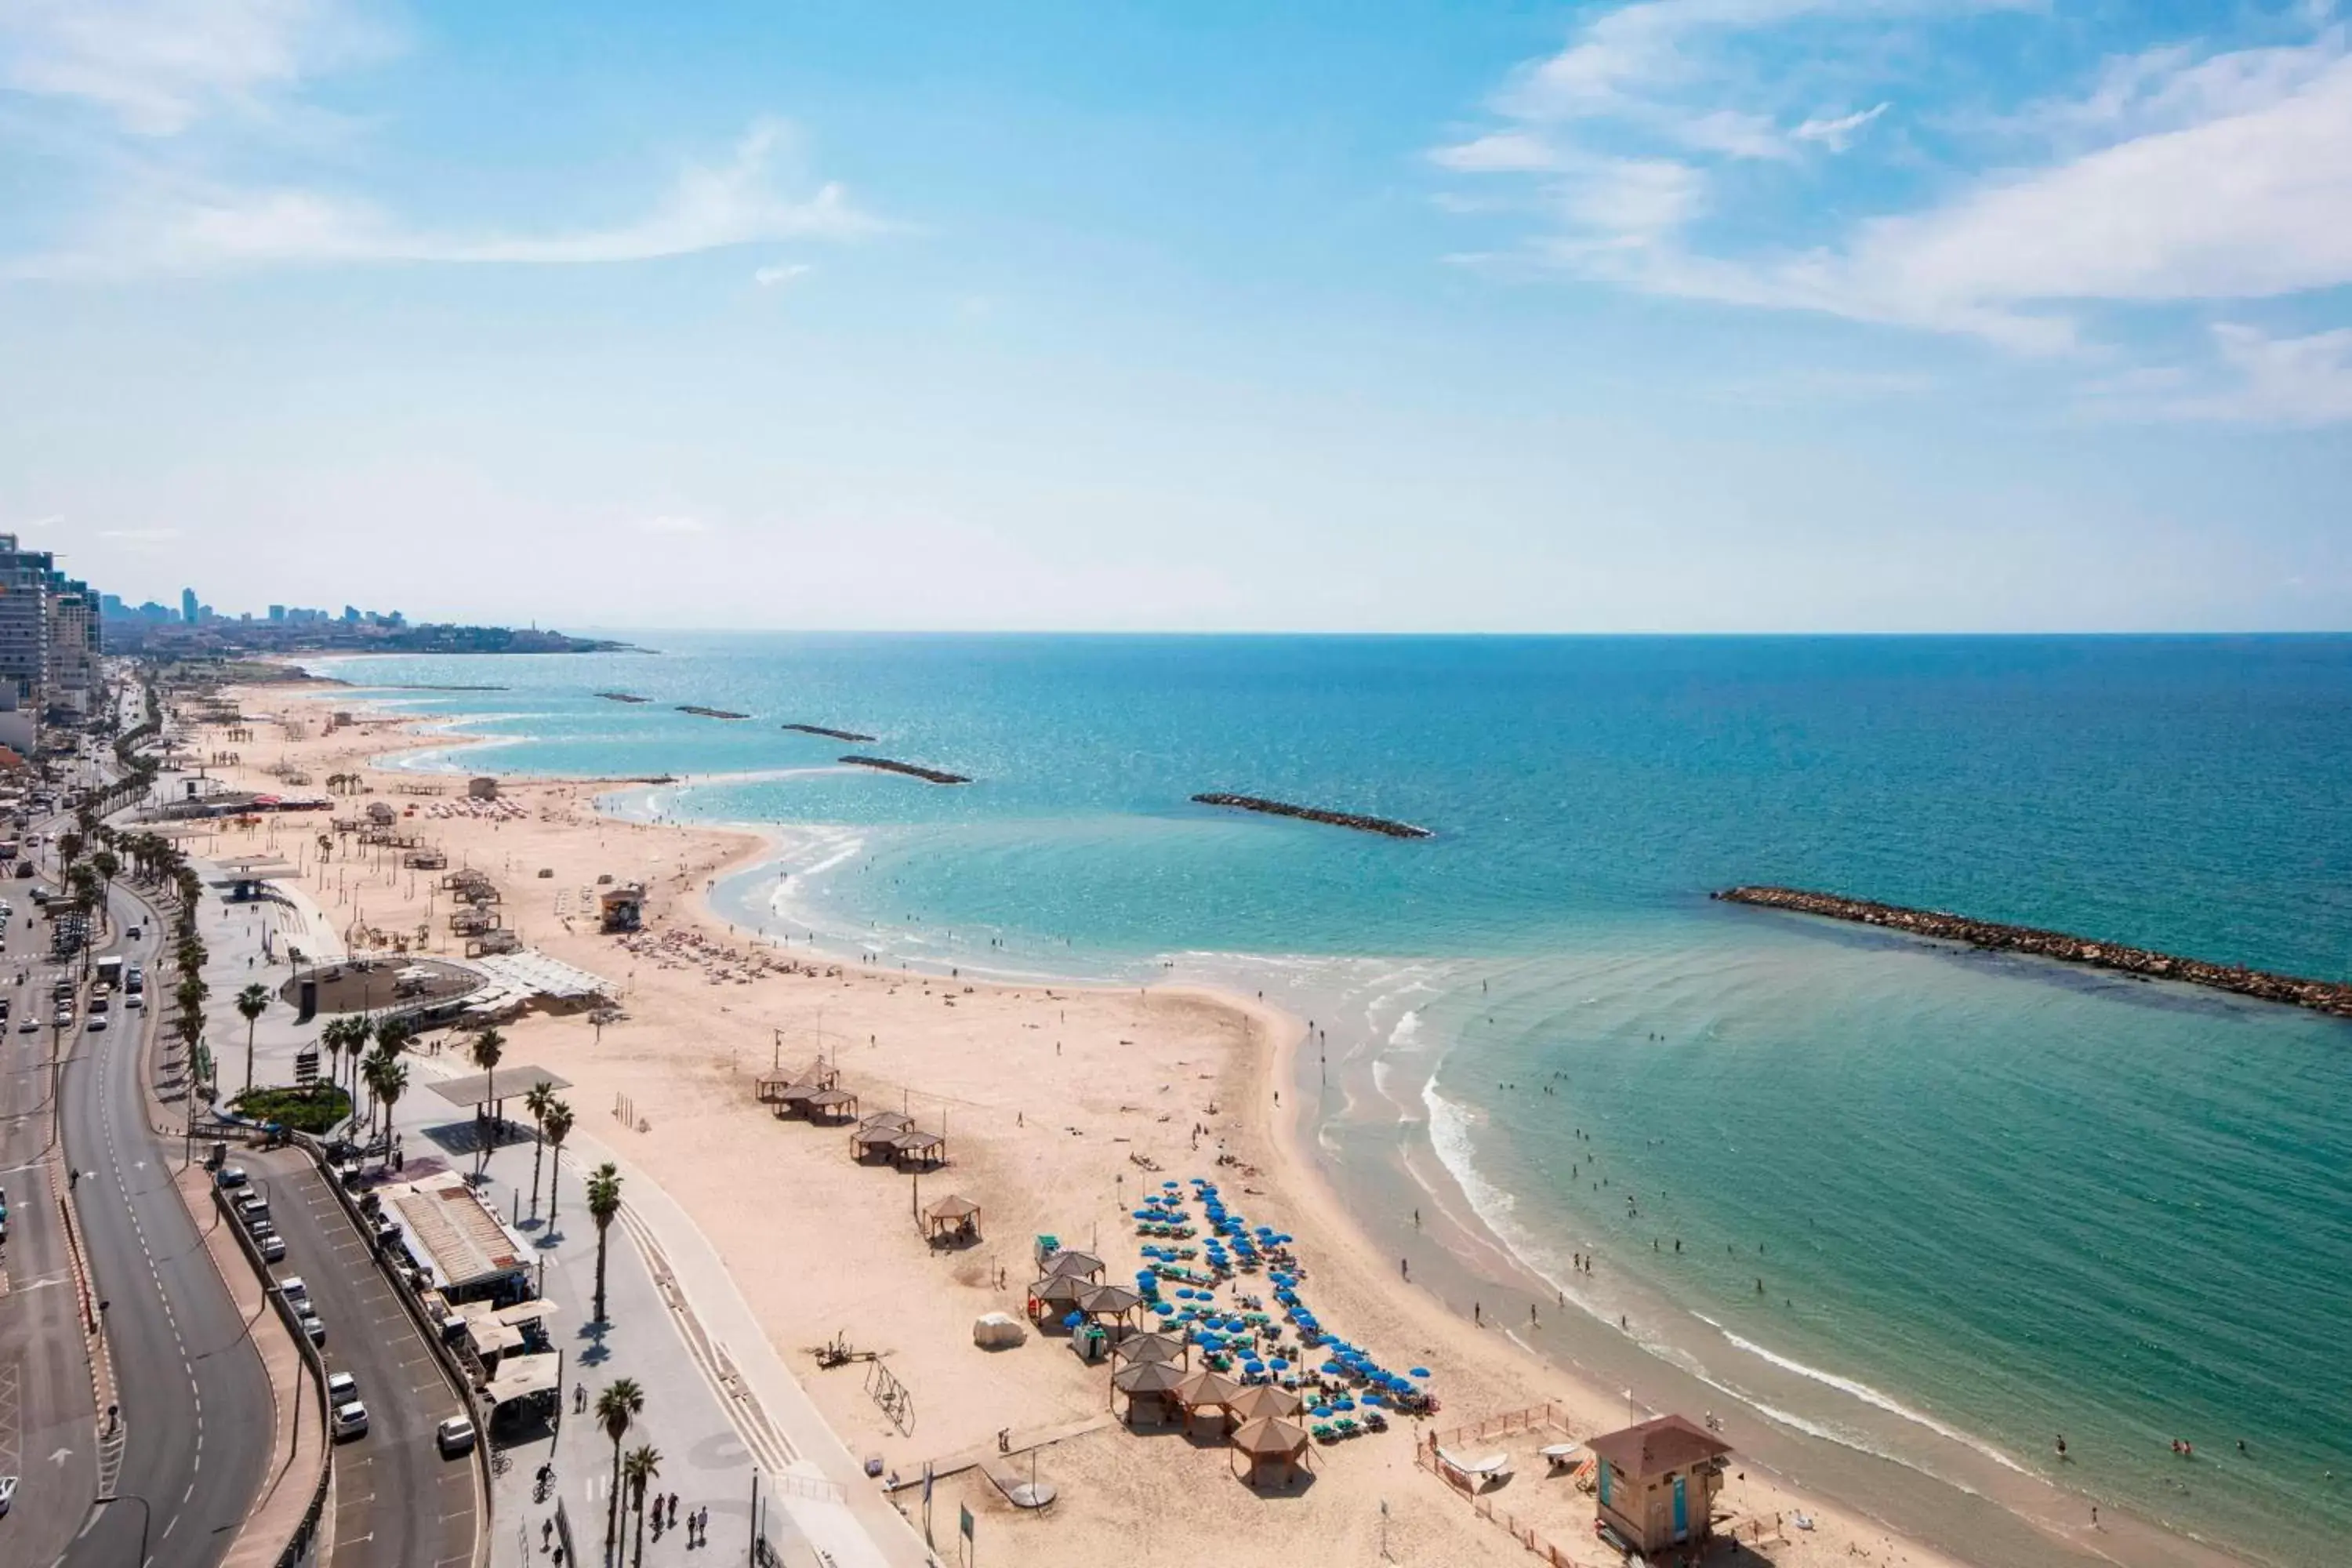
(1656, 1483)
(621, 909)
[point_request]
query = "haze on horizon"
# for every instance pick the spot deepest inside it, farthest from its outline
(1704, 315)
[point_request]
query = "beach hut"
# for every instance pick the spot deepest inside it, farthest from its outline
(1151, 1383)
(1271, 1446)
(621, 907)
(483, 788)
(954, 1220)
(1656, 1483)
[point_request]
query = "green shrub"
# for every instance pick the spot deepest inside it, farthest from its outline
(312, 1110)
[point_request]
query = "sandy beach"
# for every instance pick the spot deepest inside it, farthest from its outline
(1061, 1106)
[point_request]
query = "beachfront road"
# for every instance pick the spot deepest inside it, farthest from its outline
(398, 1503)
(197, 1408)
(48, 1420)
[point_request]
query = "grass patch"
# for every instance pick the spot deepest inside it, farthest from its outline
(312, 1110)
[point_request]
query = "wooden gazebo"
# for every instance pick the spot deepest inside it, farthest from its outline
(831, 1104)
(918, 1147)
(1206, 1390)
(1260, 1401)
(1153, 1346)
(1270, 1443)
(1152, 1382)
(1100, 1301)
(954, 1220)
(1069, 1260)
(1055, 1294)
(877, 1137)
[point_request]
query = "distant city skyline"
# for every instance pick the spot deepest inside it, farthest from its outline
(1706, 315)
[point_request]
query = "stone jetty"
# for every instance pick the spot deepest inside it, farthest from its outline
(623, 697)
(710, 712)
(913, 771)
(1315, 814)
(2320, 996)
(850, 735)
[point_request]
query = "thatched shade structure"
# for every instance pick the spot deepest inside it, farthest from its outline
(923, 1148)
(1083, 1264)
(953, 1219)
(829, 1104)
(1205, 1390)
(1269, 1444)
(1055, 1292)
(1154, 1382)
(1108, 1302)
(1261, 1400)
(1138, 1349)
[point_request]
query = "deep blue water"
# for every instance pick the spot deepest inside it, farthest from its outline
(1998, 1200)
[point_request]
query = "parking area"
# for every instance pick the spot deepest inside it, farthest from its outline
(399, 1503)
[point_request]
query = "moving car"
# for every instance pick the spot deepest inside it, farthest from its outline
(455, 1436)
(350, 1420)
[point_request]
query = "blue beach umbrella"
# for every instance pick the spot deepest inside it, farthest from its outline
(1421, 1371)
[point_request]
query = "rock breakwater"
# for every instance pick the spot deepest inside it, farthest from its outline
(850, 735)
(623, 697)
(1315, 814)
(2287, 990)
(912, 770)
(710, 712)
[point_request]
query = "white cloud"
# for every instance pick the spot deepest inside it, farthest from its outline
(139, 535)
(167, 227)
(1838, 134)
(2303, 382)
(156, 67)
(781, 274)
(675, 525)
(2219, 176)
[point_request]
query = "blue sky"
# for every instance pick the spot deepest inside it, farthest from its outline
(1675, 315)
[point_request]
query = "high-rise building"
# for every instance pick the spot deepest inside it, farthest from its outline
(24, 576)
(277, 612)
(189, 610)
(72, 645)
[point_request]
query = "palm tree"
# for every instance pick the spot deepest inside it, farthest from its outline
(251, 1004)
(488, 1048)
(638, 1470)
(392, 1083)
(108, 865)
(621, 1401)
(603, 1204)
(556, 1123)
(537, 1101)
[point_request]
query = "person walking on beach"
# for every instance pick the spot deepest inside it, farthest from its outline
(1404, 1267)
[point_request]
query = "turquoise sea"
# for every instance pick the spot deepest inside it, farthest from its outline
(1930, 1205)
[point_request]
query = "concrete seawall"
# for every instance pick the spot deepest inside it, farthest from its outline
(2287, 990)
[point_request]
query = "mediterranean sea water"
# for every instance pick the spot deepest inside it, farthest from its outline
(1934, 1206)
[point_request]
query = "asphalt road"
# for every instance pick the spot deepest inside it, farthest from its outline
(48, 1418)
(398, 1504)
(195, 1405)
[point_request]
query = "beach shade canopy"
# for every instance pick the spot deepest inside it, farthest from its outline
(952, 1207)
(1149, 1377)
(886, 1122)
(1108, 1301)
(825, 1098)
(1137, 1349)
(1074, 1262)
(1205, 1388)
(1252, 1404)
(1059, 1289)
(1270, 1441)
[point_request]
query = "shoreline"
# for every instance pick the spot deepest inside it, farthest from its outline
(1344, 1202)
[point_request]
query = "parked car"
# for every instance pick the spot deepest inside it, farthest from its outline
(98, 1023)
(294, 1290)
(342, 1388)
(7, 1492)
(273, 1247)
(135, 1000)
(350, 1420)
(455, 1436)
(312, 1328)
(230, 1176)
